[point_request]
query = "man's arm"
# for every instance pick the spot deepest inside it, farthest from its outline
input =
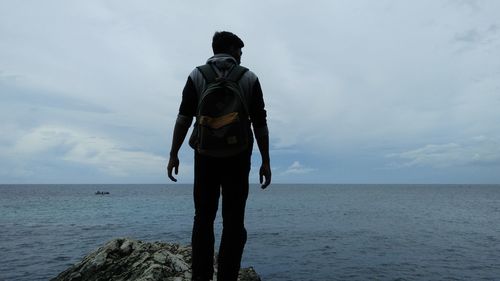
(258, 115)
(182, 124)
(262, 137)
(180, 131)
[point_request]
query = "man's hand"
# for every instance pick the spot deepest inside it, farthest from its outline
(173, 163)
(265, 172)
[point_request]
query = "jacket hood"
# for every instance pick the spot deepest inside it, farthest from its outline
(222, 61)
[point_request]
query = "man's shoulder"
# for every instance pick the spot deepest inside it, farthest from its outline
(196, 76)
(195, 72)
(249, 75)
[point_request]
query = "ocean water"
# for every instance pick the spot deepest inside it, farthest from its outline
(295, 232)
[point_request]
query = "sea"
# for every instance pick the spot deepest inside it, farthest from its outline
(295, 231)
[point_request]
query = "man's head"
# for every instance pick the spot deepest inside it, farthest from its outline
(227, 43)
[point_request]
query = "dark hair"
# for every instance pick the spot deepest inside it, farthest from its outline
(224, 41)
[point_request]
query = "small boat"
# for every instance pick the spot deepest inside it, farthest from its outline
(101, 193)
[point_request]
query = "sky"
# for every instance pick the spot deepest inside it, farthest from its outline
(355, 91)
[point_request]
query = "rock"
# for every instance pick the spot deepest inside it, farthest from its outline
(125, 259)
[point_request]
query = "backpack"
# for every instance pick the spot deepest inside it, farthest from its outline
(222, 119)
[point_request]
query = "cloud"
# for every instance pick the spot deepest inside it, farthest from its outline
(474, 36)
(297, 169)
(469, 36)
(350, 78)
(16, 90)
(478, 151)
(69, 145)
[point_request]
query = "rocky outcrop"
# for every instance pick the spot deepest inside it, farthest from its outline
(132, 260)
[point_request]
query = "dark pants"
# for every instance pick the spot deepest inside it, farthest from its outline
(213, 175)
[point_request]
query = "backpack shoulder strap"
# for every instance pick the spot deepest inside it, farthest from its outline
(208, 73)
(236, 73)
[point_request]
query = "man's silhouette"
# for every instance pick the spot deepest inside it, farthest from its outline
(226, 175)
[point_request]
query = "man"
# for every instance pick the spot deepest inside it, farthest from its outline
(226, 175)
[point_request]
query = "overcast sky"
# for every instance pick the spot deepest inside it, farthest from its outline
(356, 91)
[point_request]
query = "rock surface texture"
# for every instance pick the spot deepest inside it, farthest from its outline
(132, 260)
